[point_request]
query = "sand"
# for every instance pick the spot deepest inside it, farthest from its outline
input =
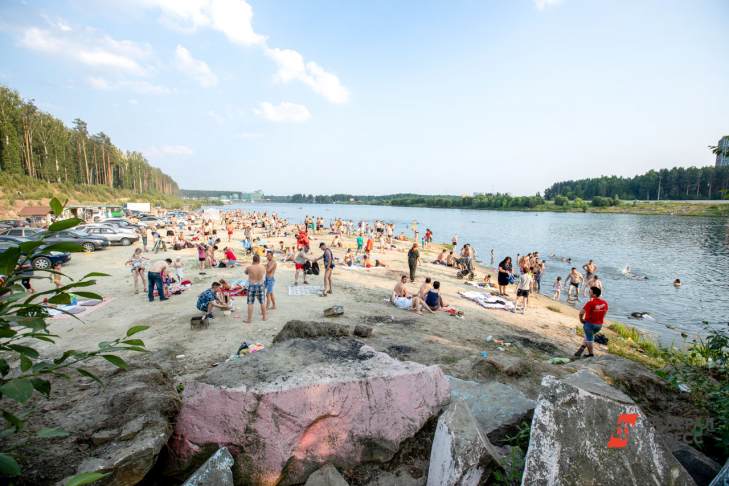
(454, 343)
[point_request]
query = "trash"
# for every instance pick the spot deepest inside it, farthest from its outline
(557, 360)
(334, 311)
(489, 338)
(180, 356)
(500, 348)
(499, 341)
(684, 388)
(484, 354)
(243, 346)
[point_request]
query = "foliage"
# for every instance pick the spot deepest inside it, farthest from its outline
(513, 465)
(23, 371)
(477, 201)
(36, 144)
(679, 183)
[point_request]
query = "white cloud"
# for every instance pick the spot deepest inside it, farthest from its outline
(283, 112)
(291, 66)
(195, 68)
(168, 151)
(88, 47)
(136, 86)
(543, 4)
(249, 135)
(234, 18)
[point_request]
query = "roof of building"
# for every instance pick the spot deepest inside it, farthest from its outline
(34, 211)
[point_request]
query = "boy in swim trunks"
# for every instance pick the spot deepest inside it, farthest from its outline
(256, 278)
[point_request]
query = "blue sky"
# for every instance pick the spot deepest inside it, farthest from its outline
(379, 97)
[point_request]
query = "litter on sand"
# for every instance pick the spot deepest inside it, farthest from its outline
(558, 360)
(484, 354)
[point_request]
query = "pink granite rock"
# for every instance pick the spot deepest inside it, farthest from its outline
(303, 404)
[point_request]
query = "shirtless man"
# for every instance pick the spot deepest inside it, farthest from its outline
(270, 280)
(155, 277)
(590, 268)
(402, 299)
(256, 281)
(441, 258)
(328, 258)
(425, 288)
(574, 279)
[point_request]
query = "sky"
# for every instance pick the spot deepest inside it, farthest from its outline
(380, 97)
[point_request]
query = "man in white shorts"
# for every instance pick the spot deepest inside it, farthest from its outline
(402, 299)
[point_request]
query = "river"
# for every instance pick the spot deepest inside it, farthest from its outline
(658, 248)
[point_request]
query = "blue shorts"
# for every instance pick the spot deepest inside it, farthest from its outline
(269, 283)
(255, 292)
(590, 330)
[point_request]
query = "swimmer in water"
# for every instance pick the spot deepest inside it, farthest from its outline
(677, 283)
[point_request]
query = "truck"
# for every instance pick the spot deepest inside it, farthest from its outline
(142, 207)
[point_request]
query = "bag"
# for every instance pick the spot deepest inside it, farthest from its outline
(601, 339)
(315, 268)
(221, 265)
(512, 279)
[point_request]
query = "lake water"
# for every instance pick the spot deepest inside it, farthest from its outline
(661, 248)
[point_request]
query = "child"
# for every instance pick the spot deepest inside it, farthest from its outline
(349, 258)
(179, 272)
(230, 257)
(56, 278)
(557, 288)
(360, 243)
(522, 289)
(487, 281)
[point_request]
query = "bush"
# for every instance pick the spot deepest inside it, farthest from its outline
(560, 201)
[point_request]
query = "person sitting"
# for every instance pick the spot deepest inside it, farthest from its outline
(433, 299)
(208, 300)
(402, 299)
(425, 288)
(451, 260)
(441, 258)
(366, 261)
(487, 281)
(247, 246)
(290, 255)
(349, 258)
(230, 259)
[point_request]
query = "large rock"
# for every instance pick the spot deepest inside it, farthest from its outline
(461, 454)
(701, 468)
(327, 475)
(304, 403)
(215, 472)
(497, 407)
(118, 427)
(722, 479)
(572, 425)
(500, 363)
(311, 330)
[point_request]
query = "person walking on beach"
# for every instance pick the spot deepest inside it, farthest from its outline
(557, 287)
(574, 279)
(270, 281)
(592, 317)
(522, 289)
(413, 259)
(505, 273)
(154, 279)
(256, 280)
(328, 259)
(142, 231)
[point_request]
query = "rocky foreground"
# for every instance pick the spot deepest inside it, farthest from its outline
(322, 407)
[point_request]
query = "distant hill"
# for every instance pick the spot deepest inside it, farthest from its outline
(231, 195)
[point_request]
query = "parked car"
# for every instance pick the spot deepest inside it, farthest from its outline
(120, 223)
(40, 259)
(152, 221)
(87, 242)
(117, 229)
(115, 236)
(11, 223)
(24, 232)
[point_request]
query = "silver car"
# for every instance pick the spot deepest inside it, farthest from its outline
(113, 235)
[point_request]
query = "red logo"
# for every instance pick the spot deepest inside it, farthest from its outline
(622, 431)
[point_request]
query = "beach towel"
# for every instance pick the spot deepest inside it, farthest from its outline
(488, 301)
(55, 313)
(305, 289)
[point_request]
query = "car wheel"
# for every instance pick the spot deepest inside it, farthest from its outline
(125, 242)
(88, 246)
(42, 263)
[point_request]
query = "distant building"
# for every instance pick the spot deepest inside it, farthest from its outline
(722, 158)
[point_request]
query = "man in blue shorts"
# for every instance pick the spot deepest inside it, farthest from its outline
(270, 280)
(592, 317)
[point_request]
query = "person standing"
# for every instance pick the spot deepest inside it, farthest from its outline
(413, 259)
(142, 231)
(270, 280)
(256, 280)
(328, 259)
(592, 317)
(136, 261)
(299, 261)
(154, 279)
(505, 273)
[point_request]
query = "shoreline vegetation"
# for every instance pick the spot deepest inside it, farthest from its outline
(506, 202)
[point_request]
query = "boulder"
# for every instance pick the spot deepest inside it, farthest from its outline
(461, 454)
(701, 468)
(327, 475)
(499, 362)
(581, 434)
(310, 330)
(722, 479)
(398, 478)
(497, 407)
(118, 428)
(305, 403)
(215, 472)
(334, 311)
(362, 331)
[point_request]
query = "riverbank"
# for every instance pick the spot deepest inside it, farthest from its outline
(719, 208)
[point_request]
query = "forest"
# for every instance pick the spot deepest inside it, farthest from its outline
(679, 183)
(36, 144)
(477, 201)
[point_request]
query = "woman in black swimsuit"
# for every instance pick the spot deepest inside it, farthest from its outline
(504, 274)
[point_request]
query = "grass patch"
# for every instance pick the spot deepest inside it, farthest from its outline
(579, 331)
(554, 308)
(625, 332)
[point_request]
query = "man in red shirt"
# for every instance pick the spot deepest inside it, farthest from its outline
(592, 316)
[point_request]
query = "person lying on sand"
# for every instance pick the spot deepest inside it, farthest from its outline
(441, 258)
